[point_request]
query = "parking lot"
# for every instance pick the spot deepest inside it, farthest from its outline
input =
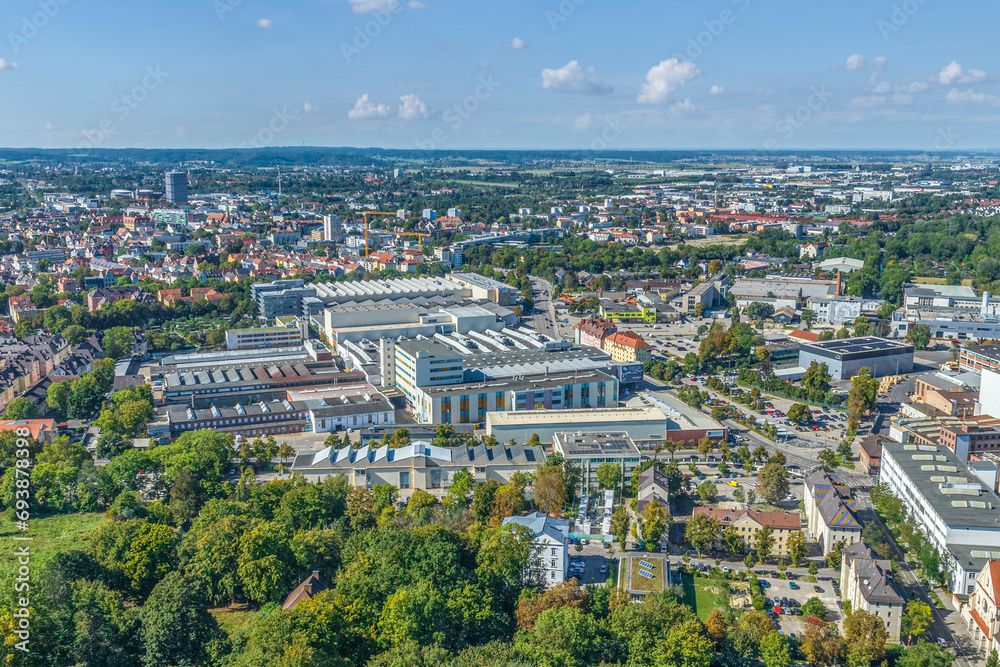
(593, 556)
(776, 591)
(781, 588)
(825, 428)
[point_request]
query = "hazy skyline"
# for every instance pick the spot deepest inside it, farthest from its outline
(575, 74)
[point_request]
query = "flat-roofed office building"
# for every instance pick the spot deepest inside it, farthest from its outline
(590, 450)
(844, 358)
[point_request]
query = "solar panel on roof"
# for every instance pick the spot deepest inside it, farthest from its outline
(648, 575)
(645, 563)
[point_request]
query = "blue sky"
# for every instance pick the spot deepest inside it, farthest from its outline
(575, 74)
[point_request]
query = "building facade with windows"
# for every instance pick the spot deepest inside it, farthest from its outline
(628, 346)
(418, 465)
(469, 402)
(954, 508)
(590, 450)
(867, 583)
(982, 612)
(277, 336)
(748, 523)
(830, 511)
(551, 545)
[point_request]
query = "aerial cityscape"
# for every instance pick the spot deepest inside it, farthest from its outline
(379, 333)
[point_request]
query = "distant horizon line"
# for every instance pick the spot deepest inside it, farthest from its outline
(442, 151)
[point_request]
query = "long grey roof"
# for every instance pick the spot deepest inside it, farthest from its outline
(419, 453)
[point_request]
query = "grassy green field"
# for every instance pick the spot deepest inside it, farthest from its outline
(234, 623)
(698, 595)
(52, 534)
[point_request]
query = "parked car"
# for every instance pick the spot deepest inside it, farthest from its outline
(818, 589)
(604, 569)
(793, 585)
(941, 642)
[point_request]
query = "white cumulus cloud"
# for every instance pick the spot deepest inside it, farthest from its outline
(416, 4)
(518, 43)
(682, 107)
(716, 90)
(583, 122)
(411, 107)
(48, 126)
(665, 78)
(856, 61)
(365, 6)
(868, 101)
(961, 97)
(572, 78)
(955, 73)
(365, 108)
(265, 24)
(915, 87)
(882, 87)
(881, 62)
(309, 107)
(4, 65)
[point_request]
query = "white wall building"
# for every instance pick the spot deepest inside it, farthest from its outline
(955, 510)
(551, 541)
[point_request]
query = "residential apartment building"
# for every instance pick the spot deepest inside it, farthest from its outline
(593, 332)
(830, 511)
(551, 545)
(627, 346)
(866, 582)
(280, 297)
(748, 523)
(276, 336)
(982, 612)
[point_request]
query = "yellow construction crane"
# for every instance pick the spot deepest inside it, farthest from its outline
(419, 235)
(365, 214)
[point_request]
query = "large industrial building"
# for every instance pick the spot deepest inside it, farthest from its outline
(409, 318)
(648, 420)
(225, 379)
(319, 409)
(954, 508)
(458, 379)
(844, 358)
(486, 288)
(645, 425)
